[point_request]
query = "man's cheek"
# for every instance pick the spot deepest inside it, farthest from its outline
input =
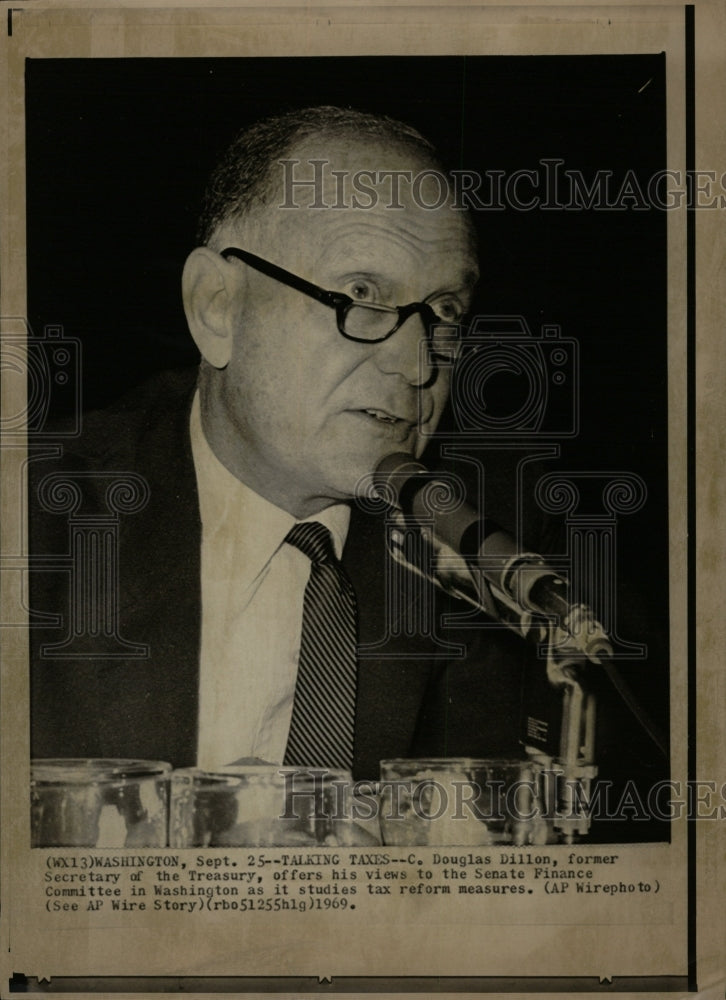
(427, 429)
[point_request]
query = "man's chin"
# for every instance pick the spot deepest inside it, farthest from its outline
(359, 485)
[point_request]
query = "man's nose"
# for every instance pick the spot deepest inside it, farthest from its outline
(405, 353)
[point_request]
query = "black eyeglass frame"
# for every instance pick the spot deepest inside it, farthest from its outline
(342, 303)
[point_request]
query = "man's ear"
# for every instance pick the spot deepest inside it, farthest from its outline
(209, 285)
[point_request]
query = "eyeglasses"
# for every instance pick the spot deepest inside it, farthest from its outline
(366, 322)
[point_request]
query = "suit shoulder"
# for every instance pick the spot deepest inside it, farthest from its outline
(115, 431)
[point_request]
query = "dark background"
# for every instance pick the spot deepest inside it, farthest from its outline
(118, 152)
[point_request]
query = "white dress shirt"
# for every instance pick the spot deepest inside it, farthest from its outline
(253, 585)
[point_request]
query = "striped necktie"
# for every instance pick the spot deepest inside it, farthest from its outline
(323, 714)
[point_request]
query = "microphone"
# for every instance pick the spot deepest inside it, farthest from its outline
(522, 583)
(521, 580)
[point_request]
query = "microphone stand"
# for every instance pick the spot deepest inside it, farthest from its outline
(521, 591)
(570, 642)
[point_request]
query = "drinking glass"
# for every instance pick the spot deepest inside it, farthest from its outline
(87, 802)
(264, 806)
(462, 801)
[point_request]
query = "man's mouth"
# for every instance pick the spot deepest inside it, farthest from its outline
(399, 422)
(384, 416)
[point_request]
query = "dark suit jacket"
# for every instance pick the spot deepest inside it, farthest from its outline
(93, 697)
(424, 688)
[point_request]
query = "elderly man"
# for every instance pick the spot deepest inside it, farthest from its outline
(324, 303)
(244, 605)
(303, 392)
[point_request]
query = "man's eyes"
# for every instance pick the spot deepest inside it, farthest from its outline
(361, 290)
(447, 307)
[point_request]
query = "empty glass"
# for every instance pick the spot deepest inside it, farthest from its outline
(263, 806)
(462, 801)
(85, 802)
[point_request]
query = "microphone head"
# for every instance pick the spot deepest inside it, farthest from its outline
(393, 472)
(399, 463)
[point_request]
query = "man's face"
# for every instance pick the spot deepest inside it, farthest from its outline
(313, 412)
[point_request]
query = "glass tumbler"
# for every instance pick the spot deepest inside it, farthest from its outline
(87, 802)
(462, 801)
(263, 806)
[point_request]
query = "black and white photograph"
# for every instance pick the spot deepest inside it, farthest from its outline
(352, 459)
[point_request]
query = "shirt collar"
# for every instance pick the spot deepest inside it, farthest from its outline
(227, 506)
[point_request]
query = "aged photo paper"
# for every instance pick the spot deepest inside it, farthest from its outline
(586, 142)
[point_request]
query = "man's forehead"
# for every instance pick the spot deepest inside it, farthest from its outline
(361, 180)
(342, 172)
